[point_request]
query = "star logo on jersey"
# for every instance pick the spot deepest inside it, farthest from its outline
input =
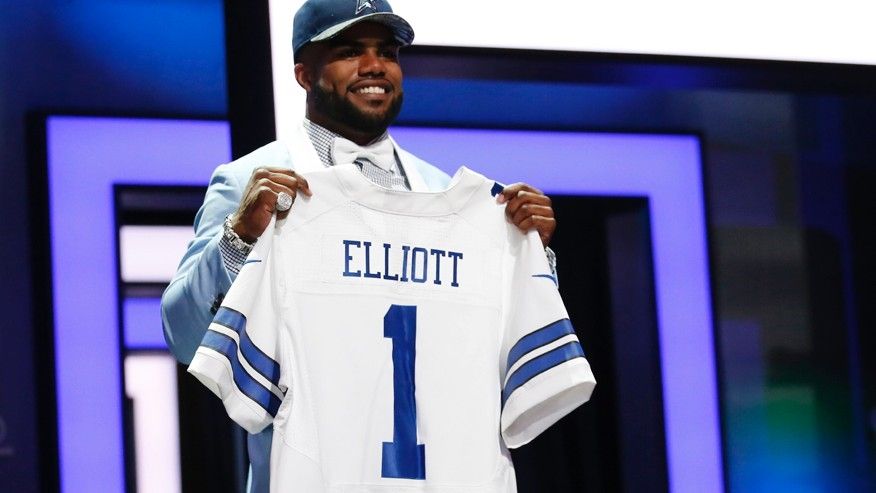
(365, 4)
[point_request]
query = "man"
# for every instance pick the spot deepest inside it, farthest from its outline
(346, 54)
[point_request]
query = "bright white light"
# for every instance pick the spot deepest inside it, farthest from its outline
(152, 253)
(288, 95)
(150, 380)
(838, 32)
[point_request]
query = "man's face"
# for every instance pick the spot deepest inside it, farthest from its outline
(355, 80)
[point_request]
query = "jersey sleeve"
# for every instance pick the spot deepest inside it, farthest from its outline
(545, 373)
(238, 358)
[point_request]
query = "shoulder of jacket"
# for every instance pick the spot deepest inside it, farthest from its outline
(435, 178)
(274, 154)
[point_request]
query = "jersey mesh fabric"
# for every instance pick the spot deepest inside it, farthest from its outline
(395, 341)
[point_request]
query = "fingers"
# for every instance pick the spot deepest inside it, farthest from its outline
(528, 208)
(544, 225)
(270, 182)
(526, 211)
(293, 182)
(513, 190)
(524, 197)
(259, 199)
(282, 176)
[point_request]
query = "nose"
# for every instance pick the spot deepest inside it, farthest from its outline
(371, 64)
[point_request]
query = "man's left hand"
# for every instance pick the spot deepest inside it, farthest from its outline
(528, 207)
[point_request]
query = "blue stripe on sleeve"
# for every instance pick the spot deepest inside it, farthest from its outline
(226, 346)
(541, 364)
(539, 338)
(256, 358)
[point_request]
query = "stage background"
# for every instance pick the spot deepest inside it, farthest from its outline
(790, 170)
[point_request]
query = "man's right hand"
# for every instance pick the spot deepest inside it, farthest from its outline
(260, 199)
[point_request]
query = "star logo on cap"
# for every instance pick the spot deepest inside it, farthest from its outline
(364, 4)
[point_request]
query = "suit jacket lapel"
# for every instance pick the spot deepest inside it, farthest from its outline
(409, 165)
(301, 151)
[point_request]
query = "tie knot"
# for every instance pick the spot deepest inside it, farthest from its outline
(380, 153)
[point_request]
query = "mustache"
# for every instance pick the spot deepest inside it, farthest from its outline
(342, 110)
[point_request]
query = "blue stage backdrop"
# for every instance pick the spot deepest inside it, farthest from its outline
(100, 153)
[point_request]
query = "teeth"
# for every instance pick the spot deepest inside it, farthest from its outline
(371, 90)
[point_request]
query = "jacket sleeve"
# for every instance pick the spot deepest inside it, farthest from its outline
(201, 280)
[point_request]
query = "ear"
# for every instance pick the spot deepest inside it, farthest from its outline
(303, 76)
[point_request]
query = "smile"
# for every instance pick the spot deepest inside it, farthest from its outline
(371, 90)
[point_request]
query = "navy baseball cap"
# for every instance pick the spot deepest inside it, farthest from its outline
(318, 20)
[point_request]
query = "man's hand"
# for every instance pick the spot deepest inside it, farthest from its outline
(529, 208)
(260, 199)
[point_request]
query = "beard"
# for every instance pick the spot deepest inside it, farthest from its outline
(343, 111)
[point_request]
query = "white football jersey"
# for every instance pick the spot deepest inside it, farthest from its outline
(397, 341)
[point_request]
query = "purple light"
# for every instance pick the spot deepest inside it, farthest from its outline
(142, 318)
(86, 157)
(667, 170)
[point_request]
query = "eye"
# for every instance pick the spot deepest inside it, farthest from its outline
(348, 52)
(390, 53)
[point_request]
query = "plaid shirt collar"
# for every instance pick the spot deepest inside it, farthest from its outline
(322, 139)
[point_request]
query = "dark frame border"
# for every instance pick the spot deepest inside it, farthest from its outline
(43, 309)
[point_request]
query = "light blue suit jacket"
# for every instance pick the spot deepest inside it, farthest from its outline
(202, 279)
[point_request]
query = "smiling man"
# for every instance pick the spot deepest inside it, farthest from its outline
(353, 81)
(347, 59)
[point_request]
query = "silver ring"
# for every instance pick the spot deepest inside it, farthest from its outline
(284, 202)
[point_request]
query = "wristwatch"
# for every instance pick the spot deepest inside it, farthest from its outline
(234, 239)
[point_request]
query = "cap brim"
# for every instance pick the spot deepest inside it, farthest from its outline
(400, 28)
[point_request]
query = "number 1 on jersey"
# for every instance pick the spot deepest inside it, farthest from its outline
(403, 458)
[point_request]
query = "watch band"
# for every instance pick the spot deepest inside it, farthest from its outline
(234, 239)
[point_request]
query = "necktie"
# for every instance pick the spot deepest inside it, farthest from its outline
(377, 161)
(380, 153)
